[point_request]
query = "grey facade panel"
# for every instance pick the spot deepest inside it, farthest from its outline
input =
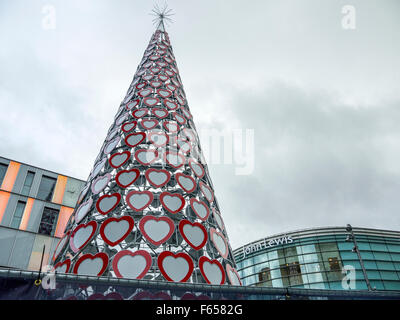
(7, 239)
(36, 214)
(72, 190)
(10, 209)
(22, 250)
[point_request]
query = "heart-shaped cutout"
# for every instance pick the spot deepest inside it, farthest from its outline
(149, 123)
(129, 126)
(180, 100)
(63, 266)
(168, 59)
(131, 265)
(171, 126)
(156, 230)
(173, 202)
(114, 230)
(200, 209)
(174, 159)
(206, 191)
(160, 113)
(186, 182)
(83, 210)
(91, 265)
(100, 183)
(156, 84)
(157, 178)
(148, 77)
(170, 104)
(233, 275)
(134, 139)
(107, 203)
(219, 242)
(194, 234)
(139, 200)
(125, 178)
(162, 64)
(154, 57)
(145, 92)
(176, 267)
(158, 138)
(132, 104)
(169, 73)
(186, 113)
(170, 87)
(163, 77)
(164, 93)
(139, 113)
(141, 85)
(197, 168)
(176, 82)
(97, 168)
(212, 271)
(81, 235)
(146, 156)
(155, 70)
(181, 120)
(119, 158)
(151, 102)
(111, 145)
(218, 219)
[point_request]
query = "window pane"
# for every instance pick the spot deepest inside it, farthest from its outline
(19, 211)
(3, 170)
(48, 222)
(28, 183)
(46, 188)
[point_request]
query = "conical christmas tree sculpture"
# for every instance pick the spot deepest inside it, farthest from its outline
(148, 210)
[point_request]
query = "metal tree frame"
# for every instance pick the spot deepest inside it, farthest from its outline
(158, 60)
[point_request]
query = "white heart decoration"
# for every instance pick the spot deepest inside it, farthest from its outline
(137, 200)
(118, 159)
(111, 145)
(233, 275)
(175, 267)
(157, 178)
(82, 235)
(218, 219)
(186, 182)
(91, 265)
(158, 139)
(114, 230)
(194, 233)
(149, 123)
(207, 192)
(212, 270)
(100, 183)
(83, 210)
(131, 265)
(98, 167)
(156, 230)
(200, 208)
(146, 157)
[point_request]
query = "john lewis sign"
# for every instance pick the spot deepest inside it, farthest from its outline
(265, 245)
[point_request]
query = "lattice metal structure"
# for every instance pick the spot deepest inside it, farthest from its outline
(148, 210)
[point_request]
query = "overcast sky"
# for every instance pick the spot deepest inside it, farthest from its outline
(323, 101)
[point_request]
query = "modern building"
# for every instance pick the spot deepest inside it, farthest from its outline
(323, 258)
(35, 205)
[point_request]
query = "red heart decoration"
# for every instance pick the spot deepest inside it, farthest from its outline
(134, 139)
(138, 200)
(88, 261)
(145, 92)
(154, 57)
(158, 138)
(66, 264)
(151, 102)
(164, 93)
(171, 126)
(219, 242)
(156, 230)
(180, 100)
(169, 73)
(200, 209)
(157, 178)
(83, 210)
(141, 85)
(197, 168)
(174, 159)
(132, 104)
(126, 225)
(194, 234)
(149, 123)
(107, 203)
(170, 87)
(80, 236)
(148, 77)
(160, 113)
(218, 219)
(156, 84)
(186, 182)
(111, 145)
(212, 270)
(176, 82)
(181, 120)
(206, 191)
(155, 70)
(128, 267)
(173, 202)
(146, 156)
(163, 77)
(139, 113)
(233, 275)
(129, 126)
(119, 158)
(170, 104)
(162, 64)
(173, 268)
(168, 59)
(186, 113)
(125, 178)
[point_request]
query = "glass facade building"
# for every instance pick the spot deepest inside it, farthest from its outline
(35, 206)
(323, 258)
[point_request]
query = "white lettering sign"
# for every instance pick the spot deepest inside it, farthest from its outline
(264, 244)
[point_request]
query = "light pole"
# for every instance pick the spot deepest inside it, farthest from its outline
(351, 237)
